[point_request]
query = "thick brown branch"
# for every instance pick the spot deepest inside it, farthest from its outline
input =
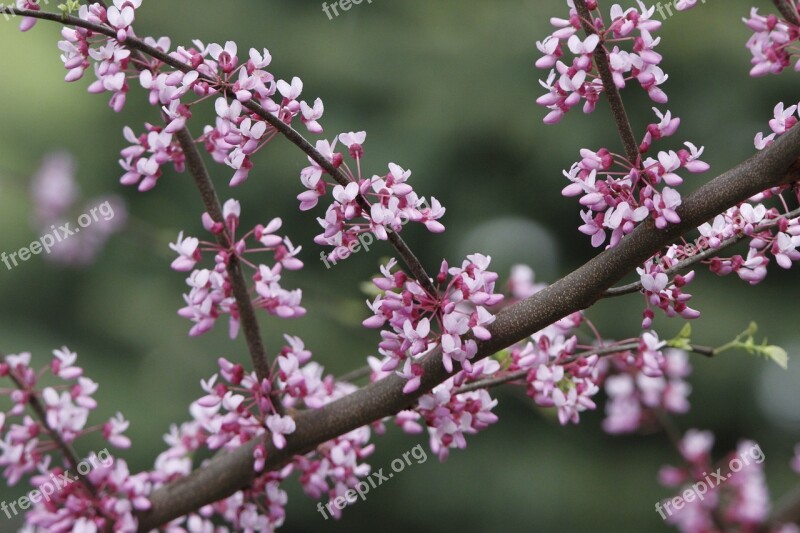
(579, 290)
(228, 473)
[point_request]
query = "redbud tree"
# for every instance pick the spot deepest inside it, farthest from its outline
(447, 335)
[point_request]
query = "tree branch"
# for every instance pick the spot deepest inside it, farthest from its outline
(788, 10)
(244, 305)
(636, 286)
(230, 472)
(410, 260)
(610, 88)
(602, 351)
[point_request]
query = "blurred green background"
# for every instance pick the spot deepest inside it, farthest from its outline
(447, 89)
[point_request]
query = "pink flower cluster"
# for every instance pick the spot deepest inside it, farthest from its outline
(237, 409)
(784, 119)
(641, 382)
(734, 491)
(451, 416)
(567, 85)
(108, 495)
(211, 294)
(619, 194)
(148, 152)
(770, 232)
(664, 293)
(81, 48)
(421, 322)
(67, 407)
(556, 376)
(771, 42)
(238, 134)
(120, 495)
(213, 69)
(56, 197)
(379, 205)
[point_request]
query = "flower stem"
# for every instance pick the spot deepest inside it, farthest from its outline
(611, 90)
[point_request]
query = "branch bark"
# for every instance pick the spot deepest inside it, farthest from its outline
(708, 253)
(788, 10)
(247, 314)
(228, 473)
(404, 252)
(601, 61)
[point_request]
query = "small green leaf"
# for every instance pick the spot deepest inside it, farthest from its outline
(69, 7)
(504, 358)
(746, 341)
(683, 340)
(777, 354)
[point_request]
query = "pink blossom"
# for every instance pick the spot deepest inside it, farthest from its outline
(280, 426)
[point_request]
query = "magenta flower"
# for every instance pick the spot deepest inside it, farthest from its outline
(280, 426)
(188, 253)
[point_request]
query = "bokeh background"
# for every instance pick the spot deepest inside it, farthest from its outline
(447, 89)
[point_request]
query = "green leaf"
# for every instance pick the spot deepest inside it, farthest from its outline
(777, 354)
(768, 351)
(683, 340)
(69, 7)
(504, 358)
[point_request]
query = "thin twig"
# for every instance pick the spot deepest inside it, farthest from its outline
(631, 288)
(69, 454)
(353, 375)
(66, 450)
(612, 92)
(520, 374)
(244, 305)
(788, 10)
(227, 473)
(602, 351)
(411, 261)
